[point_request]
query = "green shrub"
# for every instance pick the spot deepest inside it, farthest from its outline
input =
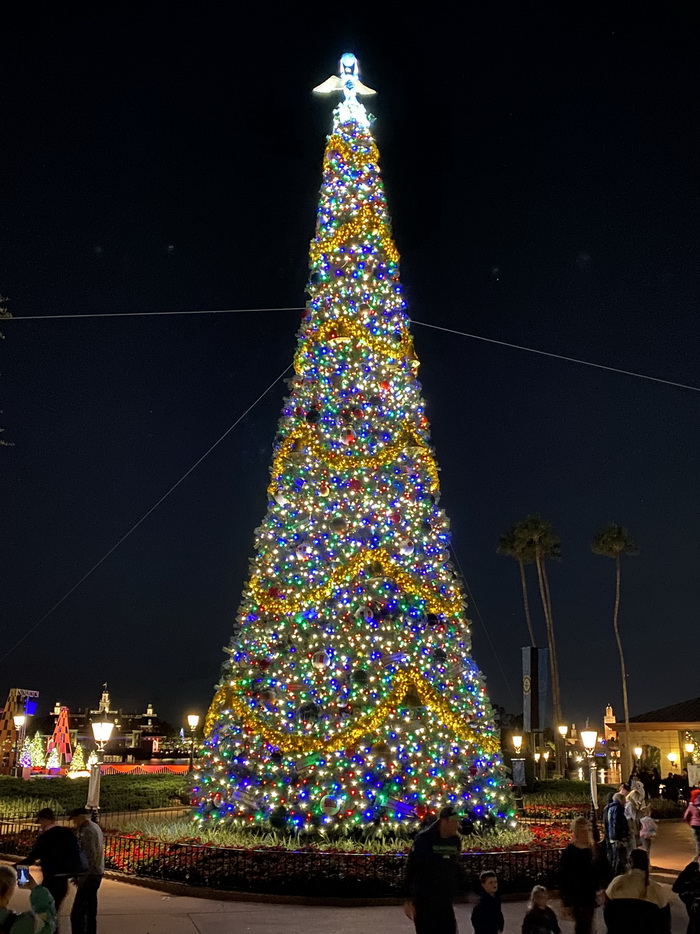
(117, 793)
(565, 791)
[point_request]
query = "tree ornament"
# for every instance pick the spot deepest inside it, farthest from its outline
(304, 550)
(406, 546)
(421, 810)
(329, 806)
(312, 416)
(439, 656)
(338, 524)
(360, 676)
(309, 712)
(280, 499)
(321, 660)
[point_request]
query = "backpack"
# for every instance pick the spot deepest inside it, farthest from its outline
(9, 922)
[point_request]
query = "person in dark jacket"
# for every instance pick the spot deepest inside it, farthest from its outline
(580, 876)
(617, 834)
(487, 917)
(687, 888)
(432, 875)
(539, 918)
(57, 851)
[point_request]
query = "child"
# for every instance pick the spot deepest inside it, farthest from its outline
(540, 919)
(647, 832)
(487, 917)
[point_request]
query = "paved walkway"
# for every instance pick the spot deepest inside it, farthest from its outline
(129, 909)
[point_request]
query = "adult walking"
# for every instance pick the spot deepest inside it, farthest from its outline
(83, 917)
(692, 817)
(636, 902)
(617, 834)
(56, 850)
(432, 875)
(580, 877)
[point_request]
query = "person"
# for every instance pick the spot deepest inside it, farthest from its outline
(671, 787)
(634, 804)
(617, 834)
(83, 916)
(539, 918)
(40, 919)
(636, 902)
(687, 888)
(432, 875)
(487, 917)
(692, 817)
(580, 877)
(56, 849)
(654, 783)
(647, 830)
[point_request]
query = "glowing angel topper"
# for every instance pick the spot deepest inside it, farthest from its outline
(348, 81)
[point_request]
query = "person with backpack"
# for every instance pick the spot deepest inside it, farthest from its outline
(40, 919)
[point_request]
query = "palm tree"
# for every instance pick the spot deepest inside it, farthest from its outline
(612, 542)
(536, 536)
(509, 544)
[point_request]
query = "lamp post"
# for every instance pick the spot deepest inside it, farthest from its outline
(193, 721)
(589, 738)
(545, 757)
(689, 750)
(672, 758)
(518, 766)
(101, 730)
(638, 756)
(19, 721)
(563, 730)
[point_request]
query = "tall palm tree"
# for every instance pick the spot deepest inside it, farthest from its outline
(536, 536)
(612, 542)
(509, 544)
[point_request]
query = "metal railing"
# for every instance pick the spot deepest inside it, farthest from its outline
(312, 873)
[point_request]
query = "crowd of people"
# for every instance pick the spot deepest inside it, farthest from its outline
(613, 873)
(67, 856)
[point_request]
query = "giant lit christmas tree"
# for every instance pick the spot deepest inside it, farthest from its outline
(350, 699)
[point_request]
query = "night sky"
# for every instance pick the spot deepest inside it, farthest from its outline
(543, 180)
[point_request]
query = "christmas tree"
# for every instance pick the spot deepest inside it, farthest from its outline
(38, 751)
(350, 699)
(54, 760)
(77, 763)
(25, 755)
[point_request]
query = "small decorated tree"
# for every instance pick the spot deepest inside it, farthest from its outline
(77, 763)
(54, 760)
(25, 756)
(38, 751)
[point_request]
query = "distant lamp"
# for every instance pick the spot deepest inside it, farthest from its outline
(563, 730)
(193, 722)
(545, 755)
(589, 738)
(638, 751)
(537, 756)
(690, 748)
(102, 730)
(672, 758)
(19, 721)
(517, 744)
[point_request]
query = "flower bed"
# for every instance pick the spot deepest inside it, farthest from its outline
(308, 870)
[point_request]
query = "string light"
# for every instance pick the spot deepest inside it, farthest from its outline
(349, 698)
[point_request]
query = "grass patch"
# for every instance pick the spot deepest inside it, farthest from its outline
(117, 793)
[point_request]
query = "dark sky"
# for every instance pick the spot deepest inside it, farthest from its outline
(543, 179)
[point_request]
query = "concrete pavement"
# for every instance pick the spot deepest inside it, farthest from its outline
(129, 909)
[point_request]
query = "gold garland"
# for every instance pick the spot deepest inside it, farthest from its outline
(346, 327)
(365, 221)
(305, 435)
(336, 144)
(282, 606)
(291, 744)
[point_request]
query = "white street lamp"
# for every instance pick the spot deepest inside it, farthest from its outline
(517, 744)
(690, 748)
(193, 721)
(102, 731)
(589, 738)
(19, 720)
(563, 730)
(672, 758)
(638, 752)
